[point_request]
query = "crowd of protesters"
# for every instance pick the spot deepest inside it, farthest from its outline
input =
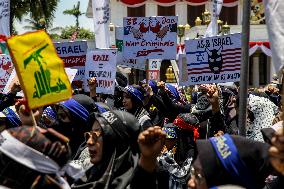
(149, 135)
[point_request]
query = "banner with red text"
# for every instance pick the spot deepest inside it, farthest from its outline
(101, 64)
(130, 63)
(150, 37)
(6, 67)
(73, 55)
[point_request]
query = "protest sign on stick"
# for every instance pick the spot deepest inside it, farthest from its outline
(102, 65)
(150, 37)
(40, 70)
(214, 59)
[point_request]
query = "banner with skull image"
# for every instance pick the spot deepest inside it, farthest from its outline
(213, 59)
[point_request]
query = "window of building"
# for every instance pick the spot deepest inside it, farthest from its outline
(193, 12)
(229, 15)
(136, 11)
(166, 11)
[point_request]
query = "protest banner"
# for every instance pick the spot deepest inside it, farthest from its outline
(41, 72)
(73, 55)
(5, 17)
(214, 59)
(102, 65)
(101, 12)
(150, 37)
(6, 67)
(121, 60)
(153, 71)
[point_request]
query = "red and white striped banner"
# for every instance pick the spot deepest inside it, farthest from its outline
(213, 59)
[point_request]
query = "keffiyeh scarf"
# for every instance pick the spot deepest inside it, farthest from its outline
(178, 175)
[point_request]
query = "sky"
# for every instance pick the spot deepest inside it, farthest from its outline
(62, 20)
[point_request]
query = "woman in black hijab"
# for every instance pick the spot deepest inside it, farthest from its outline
(133, 99)
(113, 150)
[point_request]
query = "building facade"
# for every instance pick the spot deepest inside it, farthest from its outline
(261, 69)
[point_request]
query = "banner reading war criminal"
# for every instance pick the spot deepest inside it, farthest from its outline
(102, 65)
(40, 70)
(150, 37)
(213, 59)
(121, 60)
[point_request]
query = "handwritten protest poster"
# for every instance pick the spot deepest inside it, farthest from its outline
(150, 37)
(6, 67)
(123, 61)
(73, 55)
(40, 70)
(5, 17)
(214, 59)
(102, 65)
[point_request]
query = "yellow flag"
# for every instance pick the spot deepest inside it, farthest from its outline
(40, 70)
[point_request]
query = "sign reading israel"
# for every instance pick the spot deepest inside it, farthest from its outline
(150, 37)
(73, 55)
(214, 59)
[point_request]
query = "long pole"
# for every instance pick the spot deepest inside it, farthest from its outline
(244, 67)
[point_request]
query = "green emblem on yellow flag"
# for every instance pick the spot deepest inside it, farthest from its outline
(40, 70)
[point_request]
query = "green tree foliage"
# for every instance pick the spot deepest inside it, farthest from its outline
(37, 9)
(75, 12)
(40, 25)
(82, 33)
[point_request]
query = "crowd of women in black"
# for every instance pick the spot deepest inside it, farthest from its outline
(147, 135)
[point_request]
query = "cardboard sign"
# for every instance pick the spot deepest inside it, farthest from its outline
(6, 67)
(40, 70)
(102, 65)
(150, 37)
(73, 55)
(123, 61)
(214, 59)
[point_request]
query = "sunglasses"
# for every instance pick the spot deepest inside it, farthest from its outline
(94, 135)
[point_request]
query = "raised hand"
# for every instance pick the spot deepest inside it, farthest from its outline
(151, 142)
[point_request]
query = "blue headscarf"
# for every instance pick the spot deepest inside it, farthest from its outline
(174, 91)
(50, 113)
(12, 117)
(76, 109)
(134, 93)
(154, 86)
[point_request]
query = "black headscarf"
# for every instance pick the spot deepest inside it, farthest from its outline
(80, 107)
(120, 152)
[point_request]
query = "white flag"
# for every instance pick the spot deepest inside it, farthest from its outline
(274, 16)
(101, 15)
(212, 29)
(5, 17)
